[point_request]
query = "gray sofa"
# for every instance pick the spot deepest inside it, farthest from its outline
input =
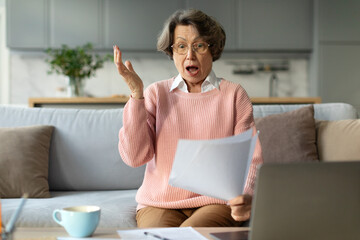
(85, 167)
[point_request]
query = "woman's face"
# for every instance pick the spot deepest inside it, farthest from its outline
(192, 66)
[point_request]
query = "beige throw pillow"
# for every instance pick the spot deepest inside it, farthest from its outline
(338, 140)
(24, 156)
(288, 137)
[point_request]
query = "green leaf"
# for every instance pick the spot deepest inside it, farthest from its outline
(76, 62)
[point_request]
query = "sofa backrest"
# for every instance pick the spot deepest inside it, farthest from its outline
(84, 147)
(323, 111)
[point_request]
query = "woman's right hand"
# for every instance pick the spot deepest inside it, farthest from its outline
(126, 70)
(241, 207)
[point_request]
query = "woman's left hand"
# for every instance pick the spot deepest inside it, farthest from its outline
(241, 207)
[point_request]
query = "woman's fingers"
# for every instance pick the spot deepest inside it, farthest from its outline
(126, 70)
(241, 213)
(241, 207)
(123, 69)
(118, 61)
(115, 54)
(240, 200)
(129, 66)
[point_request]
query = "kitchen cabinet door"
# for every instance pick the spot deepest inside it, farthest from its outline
(223, 11)
(75, 22)
(340, 73)
(339, 20)
(135, 25)
(26, 26)
(275, 24)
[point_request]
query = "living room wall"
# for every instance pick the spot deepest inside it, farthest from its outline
(29, 78)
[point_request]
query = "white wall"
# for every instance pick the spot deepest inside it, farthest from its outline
(24, 75)
(29, 78)
(4, 58)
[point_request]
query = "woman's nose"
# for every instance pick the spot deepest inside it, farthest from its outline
(190, 53)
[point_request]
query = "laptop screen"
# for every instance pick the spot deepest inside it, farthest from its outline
(307, 201)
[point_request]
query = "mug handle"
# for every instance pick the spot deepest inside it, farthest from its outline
(56, 218)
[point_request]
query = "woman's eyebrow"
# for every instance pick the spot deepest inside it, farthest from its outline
(181, 38)
(195, 39)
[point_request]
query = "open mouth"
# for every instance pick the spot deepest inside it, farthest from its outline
(192, 69)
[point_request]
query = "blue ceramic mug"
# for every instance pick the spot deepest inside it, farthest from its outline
(79, 221)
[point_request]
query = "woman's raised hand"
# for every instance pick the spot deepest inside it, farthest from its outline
(126, 70)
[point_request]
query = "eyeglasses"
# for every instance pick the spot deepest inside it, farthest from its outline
(183, 48)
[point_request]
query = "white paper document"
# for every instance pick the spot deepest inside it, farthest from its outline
(184, 233)
(86, 238)
(216, 168)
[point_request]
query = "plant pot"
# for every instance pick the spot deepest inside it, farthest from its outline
(75, 87)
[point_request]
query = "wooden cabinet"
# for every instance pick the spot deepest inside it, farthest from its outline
(75, 22)
(339, 20)
(26, 23)
(134, 25)
(339, 73)
(337, 51)
(262, 24)
(224, 12)
(275, 24)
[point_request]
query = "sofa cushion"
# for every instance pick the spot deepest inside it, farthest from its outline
(24, 161)
(84, 151)
(118, 208)
(338, 140)
(288, 137)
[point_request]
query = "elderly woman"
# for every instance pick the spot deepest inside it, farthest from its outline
(196, 104)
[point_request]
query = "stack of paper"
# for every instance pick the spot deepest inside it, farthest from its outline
(216, 168)
(184, 233)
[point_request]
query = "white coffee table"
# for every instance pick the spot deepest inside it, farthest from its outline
(53, 233)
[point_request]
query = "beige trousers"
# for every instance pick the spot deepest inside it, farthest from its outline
(206, 216)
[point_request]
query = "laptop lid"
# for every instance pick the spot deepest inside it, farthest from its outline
(307, 201)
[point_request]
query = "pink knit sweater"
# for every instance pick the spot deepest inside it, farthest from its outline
(152, 127)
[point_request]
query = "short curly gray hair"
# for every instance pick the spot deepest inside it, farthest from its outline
(209, 29)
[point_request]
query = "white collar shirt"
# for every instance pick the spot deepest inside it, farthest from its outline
(211, 82)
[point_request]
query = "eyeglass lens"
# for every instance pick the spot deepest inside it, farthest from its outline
(183, 48)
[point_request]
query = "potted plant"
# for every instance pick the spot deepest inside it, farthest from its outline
(75, 63)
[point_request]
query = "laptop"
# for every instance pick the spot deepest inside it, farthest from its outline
(293, 201)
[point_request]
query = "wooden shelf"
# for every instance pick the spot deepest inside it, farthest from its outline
(120, 101)
(80, 102)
